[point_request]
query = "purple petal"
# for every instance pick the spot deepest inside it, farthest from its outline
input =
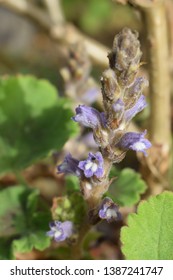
(50, 233)
(60, 231)
(69, 166)
(135, 141)
(93, 165)
(67, 228)
(102, 213)
(138, 107)
(82, 164)
(99, 172)
(109, 210)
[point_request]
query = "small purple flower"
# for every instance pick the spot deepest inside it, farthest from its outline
(89, 117)
(93, 165)
(109, 210)
(69, 166)
(60, 230)
(135, 141)
(138, 107)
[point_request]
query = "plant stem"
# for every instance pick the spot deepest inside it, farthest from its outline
(76, 252)
(156, 26)
(160, 121)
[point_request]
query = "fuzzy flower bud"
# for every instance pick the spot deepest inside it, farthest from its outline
(126, 50)
(110, 88)
(60, 230)
(93, 165)
(134, 141)
(109, 210)
(69, 166)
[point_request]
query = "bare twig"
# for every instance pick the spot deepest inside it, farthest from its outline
(145, 3)
(55, 11)
(69, 34)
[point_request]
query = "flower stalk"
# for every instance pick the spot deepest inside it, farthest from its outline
(122, 100)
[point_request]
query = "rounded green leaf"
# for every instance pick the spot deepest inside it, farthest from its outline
(127, 187)
(23, 222)
(37, 240)
(33, 121)
(149, 234)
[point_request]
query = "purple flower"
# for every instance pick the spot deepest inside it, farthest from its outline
(89, 117)
(138, 107)
(93, 165)
(69, 166)
(109, 210)
(135, 141)
(60, 230)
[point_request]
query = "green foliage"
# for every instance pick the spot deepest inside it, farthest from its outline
(33, 121)
(127, 187)
(72, 184)
(37, 240)
(5, 249)
(21, 221)
(95, 15)
(149, 234)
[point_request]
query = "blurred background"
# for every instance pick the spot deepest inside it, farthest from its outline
(37, 37)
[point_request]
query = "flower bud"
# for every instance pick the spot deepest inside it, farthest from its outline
(126, 50)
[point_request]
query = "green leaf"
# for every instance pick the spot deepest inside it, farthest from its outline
(21, 221)
(12, 218)
(33, 121)
(37, 240)
(149, 234)
(72, 184)
(127, 188)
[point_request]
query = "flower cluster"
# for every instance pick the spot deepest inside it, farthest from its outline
(122, 100)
